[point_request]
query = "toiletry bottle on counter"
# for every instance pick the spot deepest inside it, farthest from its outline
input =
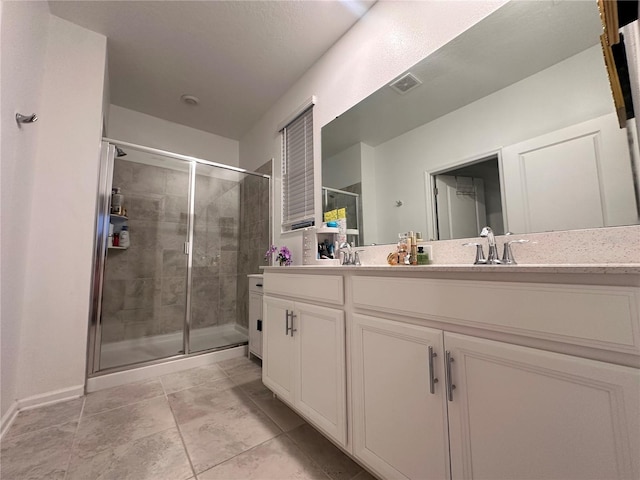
(414, 249)
(423, 257)
(124, 237)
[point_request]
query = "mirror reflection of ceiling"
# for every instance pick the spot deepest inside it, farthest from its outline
(529, 36)
(528, 78)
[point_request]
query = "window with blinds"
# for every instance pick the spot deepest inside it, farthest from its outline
(297, 172)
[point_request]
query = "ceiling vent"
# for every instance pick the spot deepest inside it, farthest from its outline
(405, 83)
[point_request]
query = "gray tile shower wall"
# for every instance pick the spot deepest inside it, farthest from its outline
(145, 286)
(254, 235)
(215, 249)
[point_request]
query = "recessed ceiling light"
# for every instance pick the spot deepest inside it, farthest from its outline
(190, 99)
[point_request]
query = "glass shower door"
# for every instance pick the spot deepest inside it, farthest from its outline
(214, 321)
(144, 297)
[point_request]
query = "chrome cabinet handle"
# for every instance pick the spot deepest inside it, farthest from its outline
(432, 379)
(291, 329)
(450, 386)
(286, 323)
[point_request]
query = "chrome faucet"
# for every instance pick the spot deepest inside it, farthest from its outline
(492, 257)
(507, 256)
(346, 250)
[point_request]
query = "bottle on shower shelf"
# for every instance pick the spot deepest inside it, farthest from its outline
(124, 237)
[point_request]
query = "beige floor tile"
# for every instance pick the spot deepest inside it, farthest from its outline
(279, 412)
(44, 417)
(42, 454)
(277, 459)
(364, 475)
(330, 458)
(217, 437)
(160, 456)
(175, 382)
(193, 403)
(240, 366)
(107, 430)
(122, 395)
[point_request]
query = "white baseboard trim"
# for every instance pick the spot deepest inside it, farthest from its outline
(36, 401)
(48, 398)
(8, 418)
(143, 373)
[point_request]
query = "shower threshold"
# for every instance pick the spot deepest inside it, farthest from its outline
(139, 350)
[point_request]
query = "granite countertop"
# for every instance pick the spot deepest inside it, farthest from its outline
(587, 268)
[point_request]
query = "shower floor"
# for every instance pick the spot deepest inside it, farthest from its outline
(144, 349)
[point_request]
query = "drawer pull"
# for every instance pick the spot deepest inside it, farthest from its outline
(259, 285)
(432, 379)
(259, 325)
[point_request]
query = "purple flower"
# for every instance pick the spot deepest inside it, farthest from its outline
(283, 257)
(272, 249)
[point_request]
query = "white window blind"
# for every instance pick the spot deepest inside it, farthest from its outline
(297, 172)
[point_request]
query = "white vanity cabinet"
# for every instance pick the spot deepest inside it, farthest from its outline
(304, 349)
(469, 375)
(495, 409)
(505, 412)
(255, 315)
(520, 412)
(399, 426)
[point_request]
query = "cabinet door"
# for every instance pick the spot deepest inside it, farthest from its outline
(277, 355)
(521, 413)
(320, 368)
(255, 317)
(399, 426)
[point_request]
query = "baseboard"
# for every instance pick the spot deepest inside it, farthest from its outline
(109, 380)
(48, 398)
(37, 401)
(8, 418)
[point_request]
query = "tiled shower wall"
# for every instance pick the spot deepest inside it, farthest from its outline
(254, 234)
(145, 286)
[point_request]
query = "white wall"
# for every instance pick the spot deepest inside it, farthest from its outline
(547, 101)
(62, 216)
(343, 169)
(388, 40)
(24, 27)
(141, 129)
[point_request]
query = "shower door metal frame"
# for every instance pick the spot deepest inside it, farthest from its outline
(105, 181)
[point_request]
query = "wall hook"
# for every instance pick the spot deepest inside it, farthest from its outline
(25, 118)
(399, 203)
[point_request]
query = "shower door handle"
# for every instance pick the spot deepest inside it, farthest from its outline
(186, 248)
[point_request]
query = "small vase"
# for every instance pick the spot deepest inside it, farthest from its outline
(283, 262)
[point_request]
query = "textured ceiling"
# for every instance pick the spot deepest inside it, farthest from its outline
(238, 57)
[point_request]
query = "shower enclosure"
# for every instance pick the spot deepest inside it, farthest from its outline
(178, 286)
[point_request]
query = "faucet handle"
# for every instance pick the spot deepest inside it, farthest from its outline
(356, 257)
(507, 254)
(480, 260)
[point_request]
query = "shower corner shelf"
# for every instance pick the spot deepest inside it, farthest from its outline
(119, 217)
(118, 248)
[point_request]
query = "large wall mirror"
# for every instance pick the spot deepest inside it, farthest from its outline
(511, 125)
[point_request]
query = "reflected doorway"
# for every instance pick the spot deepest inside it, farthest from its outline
(467, 198)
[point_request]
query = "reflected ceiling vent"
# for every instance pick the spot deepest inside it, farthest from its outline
(405, 83)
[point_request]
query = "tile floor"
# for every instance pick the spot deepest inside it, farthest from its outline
(214, 422)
